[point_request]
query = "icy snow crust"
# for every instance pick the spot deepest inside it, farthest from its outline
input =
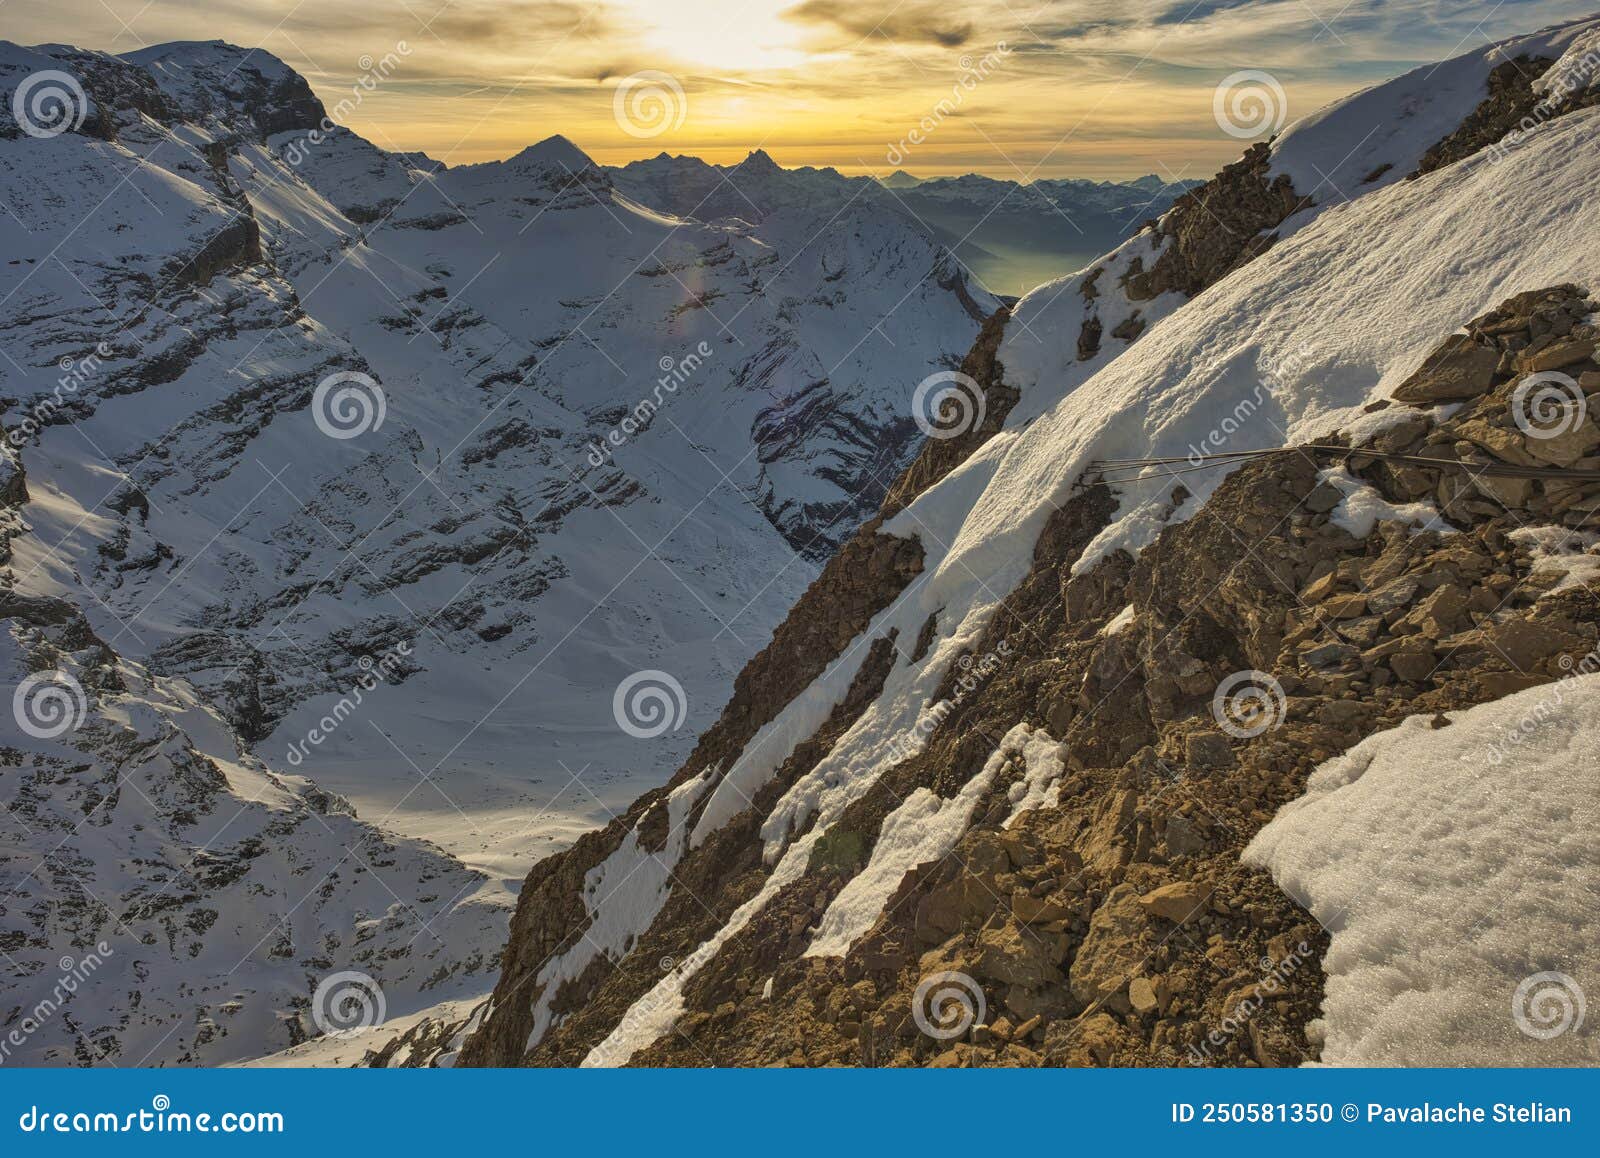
(1451, 867)
(1331, 318)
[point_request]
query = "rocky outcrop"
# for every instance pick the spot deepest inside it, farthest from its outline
(1218, 227)
(1111, 922)
(939, 456)
(1512, 97)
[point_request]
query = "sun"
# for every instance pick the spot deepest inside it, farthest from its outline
(730, 35)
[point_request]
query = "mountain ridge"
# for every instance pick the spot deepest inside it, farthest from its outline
(1068, 847)
(300, 430)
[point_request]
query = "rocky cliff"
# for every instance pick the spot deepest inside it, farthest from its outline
(1241, 497)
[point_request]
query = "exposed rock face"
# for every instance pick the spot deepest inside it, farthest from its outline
(1111, 923)
(939, 457)
(1219, 226)
(203, 896)
(1511, 98)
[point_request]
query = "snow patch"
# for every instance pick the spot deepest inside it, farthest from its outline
(1563, 550)
(1456, 879)
(1364, 507)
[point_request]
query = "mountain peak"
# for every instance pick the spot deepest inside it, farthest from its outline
(555, 150)
(192, 54)
(900, 179)
(759, 161)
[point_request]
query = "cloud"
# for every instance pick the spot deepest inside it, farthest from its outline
(925, 23)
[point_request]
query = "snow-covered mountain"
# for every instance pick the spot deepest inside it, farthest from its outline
(385, 476)
(987, 797)
(1012, 235)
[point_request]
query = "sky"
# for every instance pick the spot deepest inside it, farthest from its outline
(1012, 88)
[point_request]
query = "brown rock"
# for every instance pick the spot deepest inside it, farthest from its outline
(1105, 844)
(1414, 665)
(1525, 642)
(1018, 956)
(1457, 370)
(1324, 498)
(1319, 589)
(1506, 445)
(1442, 612)
(1031, 910)
(1556, 355)
(1175, 902)
(1566, 446)
(1345, 606)
(1208, 750)
(1142, 996)
(1096, 1040)
(1112, 949)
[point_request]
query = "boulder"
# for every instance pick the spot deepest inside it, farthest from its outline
(1345, 606)
(1175, 902)
(1112, 949)
(1413, 665)
(1208, 750)
(1142, 996)
(1458, 370)
(1556, 355)
(1104, 845)
(1526, 642)
(1018, 956)
(1566, 446)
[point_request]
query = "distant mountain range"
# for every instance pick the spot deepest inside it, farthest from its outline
(1017, 235)
(1013, 236)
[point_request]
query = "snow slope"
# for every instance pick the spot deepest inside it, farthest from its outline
(1329, 320)
(170, 898)
(515, 517)
(576, 437)
(1456, 869)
